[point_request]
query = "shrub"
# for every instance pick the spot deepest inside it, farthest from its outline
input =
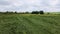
(48, 13)
(26, 12)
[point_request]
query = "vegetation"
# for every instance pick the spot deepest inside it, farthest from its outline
(29, 24)
(37, 12)
(33, 12)
(41, 12)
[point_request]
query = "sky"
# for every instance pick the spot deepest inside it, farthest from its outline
(30, 5)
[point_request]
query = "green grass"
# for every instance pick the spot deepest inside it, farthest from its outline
(29, 24)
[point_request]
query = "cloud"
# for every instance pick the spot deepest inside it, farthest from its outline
(30, 5)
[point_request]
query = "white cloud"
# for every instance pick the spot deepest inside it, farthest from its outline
(30, 5)
(53, 2)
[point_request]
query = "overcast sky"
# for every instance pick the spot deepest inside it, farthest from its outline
(30, 5)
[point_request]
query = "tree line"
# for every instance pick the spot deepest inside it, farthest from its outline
(33, 12)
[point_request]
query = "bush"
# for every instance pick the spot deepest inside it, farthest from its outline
(26, 12)
(8, 12)
(48, 13)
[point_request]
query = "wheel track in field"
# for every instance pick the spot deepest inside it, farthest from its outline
(48, 25)
(33, 24)
(26, 29)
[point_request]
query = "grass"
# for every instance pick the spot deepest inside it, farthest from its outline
(29, 24)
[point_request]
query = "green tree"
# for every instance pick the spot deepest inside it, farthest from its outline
(41, 12)
(35, 12)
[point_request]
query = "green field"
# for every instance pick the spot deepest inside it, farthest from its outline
(29, 24)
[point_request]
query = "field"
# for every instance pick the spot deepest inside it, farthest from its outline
(29, 24)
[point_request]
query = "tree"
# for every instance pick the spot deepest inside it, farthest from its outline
(41, 12)
(35, 12)
(16, 12)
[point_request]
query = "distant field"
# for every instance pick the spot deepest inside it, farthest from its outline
(53, 12)
(29, 24)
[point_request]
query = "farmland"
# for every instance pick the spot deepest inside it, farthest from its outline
(29, 24)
